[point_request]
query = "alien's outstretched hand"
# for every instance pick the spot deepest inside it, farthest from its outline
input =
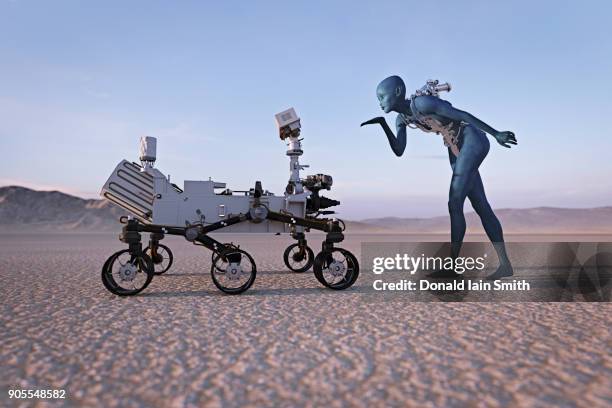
(380, 120)
(506, 138)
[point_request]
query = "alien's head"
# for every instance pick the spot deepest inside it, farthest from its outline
(391, 93)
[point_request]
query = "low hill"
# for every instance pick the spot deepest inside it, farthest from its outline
(541, 220)
(22, 207)
(26, 209)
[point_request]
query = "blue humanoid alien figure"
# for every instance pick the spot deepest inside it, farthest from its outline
(468, 145)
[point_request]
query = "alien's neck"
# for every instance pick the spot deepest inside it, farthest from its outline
(405, 108)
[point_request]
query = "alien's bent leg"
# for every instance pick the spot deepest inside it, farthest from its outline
(460, 185)
(490, 222)
(481, 205)
(474, 148)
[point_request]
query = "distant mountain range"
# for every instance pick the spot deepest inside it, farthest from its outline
(540, 220)
(25, 209)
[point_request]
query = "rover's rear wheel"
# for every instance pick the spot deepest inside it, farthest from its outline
(162, 260)
(336, 269)
(233, 271)
(298, 258)
(125, 274)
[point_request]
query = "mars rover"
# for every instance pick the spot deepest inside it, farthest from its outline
(159, 207)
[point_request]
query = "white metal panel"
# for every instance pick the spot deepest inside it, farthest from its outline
(150, 197)
(131, 189)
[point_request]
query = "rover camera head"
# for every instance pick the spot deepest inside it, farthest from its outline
(288, 124)
(148, 150)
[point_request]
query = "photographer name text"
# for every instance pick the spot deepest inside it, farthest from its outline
(455, 285)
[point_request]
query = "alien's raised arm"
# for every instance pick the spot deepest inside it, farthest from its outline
(398, 144)
(431, 105)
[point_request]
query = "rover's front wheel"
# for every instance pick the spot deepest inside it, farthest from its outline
(336, 269)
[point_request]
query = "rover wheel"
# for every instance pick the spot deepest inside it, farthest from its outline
(215, 254)
(298, 259)
(124, 274)
(162, 261)
(337, 269)
(233, 271)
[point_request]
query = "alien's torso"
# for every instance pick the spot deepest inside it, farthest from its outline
(430, 123)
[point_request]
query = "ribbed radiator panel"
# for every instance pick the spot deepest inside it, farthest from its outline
(131, 189)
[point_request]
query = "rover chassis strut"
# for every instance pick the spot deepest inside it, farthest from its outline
(233, 270)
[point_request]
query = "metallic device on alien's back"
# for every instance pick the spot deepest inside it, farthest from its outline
(159, 207)
(433, 87)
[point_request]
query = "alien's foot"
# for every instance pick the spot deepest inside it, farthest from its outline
(503, 271)
(443, 274)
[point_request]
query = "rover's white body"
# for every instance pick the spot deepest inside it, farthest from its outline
(150, 197)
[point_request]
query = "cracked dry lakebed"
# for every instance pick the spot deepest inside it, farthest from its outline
(286, 342)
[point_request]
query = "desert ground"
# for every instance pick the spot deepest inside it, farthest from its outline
(286, 342)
